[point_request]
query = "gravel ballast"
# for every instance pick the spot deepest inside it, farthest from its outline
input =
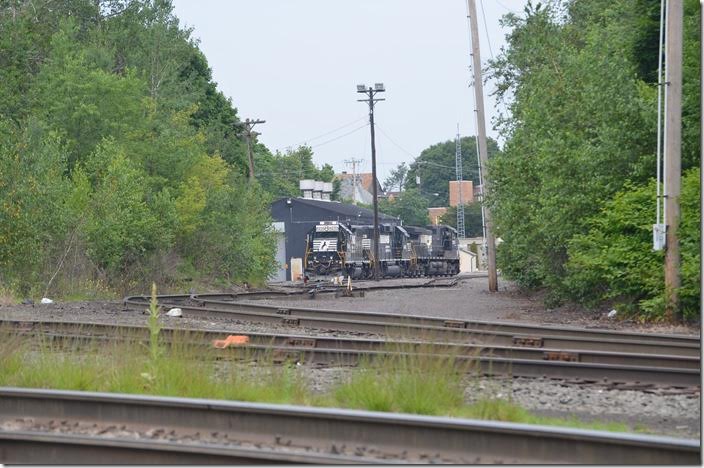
(659, 413)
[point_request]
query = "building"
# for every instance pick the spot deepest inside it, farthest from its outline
(436, 213)
(390, 195)
(467, 192)
(294, 217)
(358, 188)
(478, 193)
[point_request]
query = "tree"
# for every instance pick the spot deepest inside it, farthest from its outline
(279, 173)
(472, 219)
(435, 166)
(396, 178)
(410, 206)
(33, 214)
(615, 261)
(566, 153)
(117, 146)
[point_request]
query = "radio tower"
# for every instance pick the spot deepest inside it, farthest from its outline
(458, 170)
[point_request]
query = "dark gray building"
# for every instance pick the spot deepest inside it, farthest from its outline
(295, 217)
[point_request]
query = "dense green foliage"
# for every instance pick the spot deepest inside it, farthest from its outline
(472, 219)
(410, 206)
(579, 79)
(280, 173)
(614, 259)
(436, 167)
(120, 162)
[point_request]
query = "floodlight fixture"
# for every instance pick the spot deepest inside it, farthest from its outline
(361, 88)
(379, 87)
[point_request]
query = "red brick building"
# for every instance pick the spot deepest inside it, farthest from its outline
(467, 192)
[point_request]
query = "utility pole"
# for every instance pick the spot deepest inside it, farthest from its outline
(371, 100)
(458, 172)
(353, 162)
(673, 153)
(248, 133)
(481, 135)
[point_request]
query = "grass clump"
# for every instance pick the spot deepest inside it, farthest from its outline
(505, 410)
(419, 379)
(407, 383)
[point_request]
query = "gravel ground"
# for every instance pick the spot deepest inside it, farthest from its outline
(676, 415)
(471, 300)
(115, 313)
(655, 411)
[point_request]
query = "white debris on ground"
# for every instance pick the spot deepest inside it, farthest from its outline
(175, 312)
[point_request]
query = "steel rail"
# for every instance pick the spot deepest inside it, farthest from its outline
(451, 329)
(80, 330)
(511, 327)
(44, 448)
(523, 362)
(385, 437)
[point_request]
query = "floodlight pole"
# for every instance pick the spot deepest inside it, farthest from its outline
(370, 93)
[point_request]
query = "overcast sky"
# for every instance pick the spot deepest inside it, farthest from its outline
(296, 65)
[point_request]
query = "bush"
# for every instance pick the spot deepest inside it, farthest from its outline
(615, 260)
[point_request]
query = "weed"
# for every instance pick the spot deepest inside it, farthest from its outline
(421, 382)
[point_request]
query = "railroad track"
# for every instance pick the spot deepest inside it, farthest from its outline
(46, 426)
(335, 351)
(428, 328)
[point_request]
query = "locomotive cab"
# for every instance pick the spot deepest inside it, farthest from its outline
(326, 245)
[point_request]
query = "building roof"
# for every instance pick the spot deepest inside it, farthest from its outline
(365, 180)
(342, 209)
(362, 191)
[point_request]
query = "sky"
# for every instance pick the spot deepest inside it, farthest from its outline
(296, 64)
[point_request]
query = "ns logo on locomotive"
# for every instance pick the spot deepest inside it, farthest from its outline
(334, 248)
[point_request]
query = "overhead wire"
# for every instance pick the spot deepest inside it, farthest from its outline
(340, 136)
(491, 50)
(327, 133)
(381, 130)
(505, 7)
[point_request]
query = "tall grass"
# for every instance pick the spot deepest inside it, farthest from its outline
(420, 380)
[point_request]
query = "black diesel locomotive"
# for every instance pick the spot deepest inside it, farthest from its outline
(334, 248)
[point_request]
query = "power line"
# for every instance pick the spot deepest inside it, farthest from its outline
(393, 142)
(340, 136)
(329, 132)
(486, 29)
(505, 7)
(491, 51)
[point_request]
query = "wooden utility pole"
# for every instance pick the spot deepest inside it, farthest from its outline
(248, 133)
(481, 135)
(353, 162)
(673, 153)
(371, 101)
